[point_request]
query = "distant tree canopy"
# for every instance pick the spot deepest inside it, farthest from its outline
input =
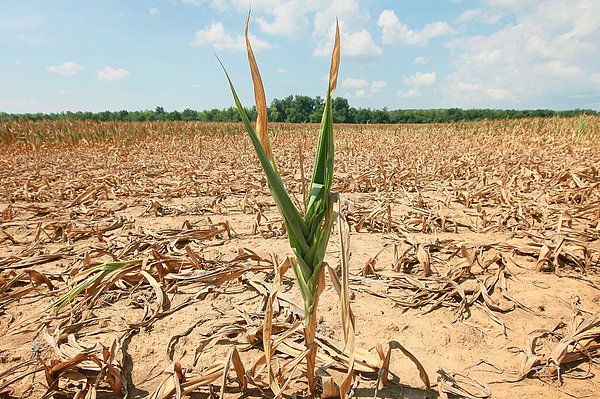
(304, 109)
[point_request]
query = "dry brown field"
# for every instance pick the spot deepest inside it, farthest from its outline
(474, 246)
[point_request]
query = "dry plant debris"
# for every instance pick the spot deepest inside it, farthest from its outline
(473, 267)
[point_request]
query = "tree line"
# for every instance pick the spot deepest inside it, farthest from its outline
(304, 109)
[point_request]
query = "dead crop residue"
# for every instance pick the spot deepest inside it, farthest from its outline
(143, 259)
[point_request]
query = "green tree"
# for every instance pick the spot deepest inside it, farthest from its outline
(174, 116)
(189, 115)
(318, 109)
(279, 109)
(301, 109)
(341, 110)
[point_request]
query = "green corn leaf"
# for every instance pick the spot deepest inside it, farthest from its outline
(294, 222)
(96, 274)
(302, 279)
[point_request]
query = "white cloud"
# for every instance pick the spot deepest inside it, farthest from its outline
(289, 19)
(514, 5)
(464, 87)
(357, 46)
(499, 94)
(282, 70)
(357, 88)
(277, 17)
(469, 15)
(154, 11)
(350, 14)
(108, 74)
(421, 79)
(68, 68)
(415, 82)
(292, 18)
(489, 17)
(221, 5)
(316, 19)
(420, 60)
(313, 19)
(395, 32)
(378, 86)
(350, 83)
(548, 55)
(216, 36)
(489, 57)
(410, 93)
(558, 69)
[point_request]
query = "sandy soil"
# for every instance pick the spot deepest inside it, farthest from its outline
(437, 215)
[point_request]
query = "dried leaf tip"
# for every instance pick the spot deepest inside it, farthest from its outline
(259, 97)
(335, 59)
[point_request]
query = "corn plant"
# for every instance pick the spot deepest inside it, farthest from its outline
(308, 233)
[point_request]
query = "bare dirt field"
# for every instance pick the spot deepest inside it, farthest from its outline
(475, 250)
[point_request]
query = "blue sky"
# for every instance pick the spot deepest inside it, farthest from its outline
(98, 55)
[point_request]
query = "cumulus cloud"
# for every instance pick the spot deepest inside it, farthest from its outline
(515, 5)
(499, 94)
(288, 19)
(378, 86)
(357, 43)
(350, 83)
(421, 79)
(68, 68)
(216, 36)
(479, 15)
(313, 19)
(109, 74)
(357, 47)
(360, 88)
(546, 56)
(292, 17)
(558, 69)
(416, 82)
(395, 32)
(464, 86)
(350, 14)
(410, 93)
(221, 5)
(358, 94)
(420, 60)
